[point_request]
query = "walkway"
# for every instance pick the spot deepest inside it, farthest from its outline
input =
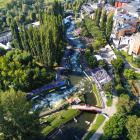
(87, 107)
(110, 111)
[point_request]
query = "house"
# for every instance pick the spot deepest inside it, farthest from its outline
(109, 8)
(96, 5)
(119, 3)
(134, 44)
(132, 8)
(125, 24)
(86, 11)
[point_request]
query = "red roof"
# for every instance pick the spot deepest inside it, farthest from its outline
(70, 101)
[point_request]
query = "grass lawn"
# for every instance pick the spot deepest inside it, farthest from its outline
(128, 58)
(95, 126)
(97, 95)
(54, 120)
(109, 101)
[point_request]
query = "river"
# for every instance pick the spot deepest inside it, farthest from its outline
(77, 79)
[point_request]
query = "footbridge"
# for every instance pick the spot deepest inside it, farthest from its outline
(87, 107)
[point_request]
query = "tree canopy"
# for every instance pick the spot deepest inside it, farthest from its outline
(16, 119)
(108, 87)
(118, 64)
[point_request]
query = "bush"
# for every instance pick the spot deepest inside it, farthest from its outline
(125, 96)
(129, 73)
(108, 87)
(92, 61)
(120, 89)
(87, 54)
(103, 64)
(117, 79)
(118, 64)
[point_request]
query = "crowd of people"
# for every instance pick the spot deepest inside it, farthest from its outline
(101, 75)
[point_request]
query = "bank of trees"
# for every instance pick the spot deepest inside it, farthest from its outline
(23, 11)
(46, 42)
(75, 5)
(92, 60)
(20, 70)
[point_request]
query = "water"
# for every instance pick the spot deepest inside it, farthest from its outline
(79, 82)
(74, 131)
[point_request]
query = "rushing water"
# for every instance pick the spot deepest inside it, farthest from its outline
(77, 79)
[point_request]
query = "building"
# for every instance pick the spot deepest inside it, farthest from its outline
(120, 3)
(132, 8)
(96, 5)
(86, 11)
(125, 24)
(134, 44)
(109, 8)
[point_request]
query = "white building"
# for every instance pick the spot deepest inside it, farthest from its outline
(96, 5)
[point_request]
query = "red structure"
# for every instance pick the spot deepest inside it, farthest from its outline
(120, 3)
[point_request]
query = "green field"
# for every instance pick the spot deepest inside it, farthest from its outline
(3, 3)
(54, 120)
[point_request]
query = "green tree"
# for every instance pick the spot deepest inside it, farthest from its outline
(109, 26)
(22, 18)
(103, 21)
(87, 54)
(2, 51)
(15, 35)
(98, 17)
(111, 2)
(125, 106)
(137, 61)
(129, 73)
(15, 118)
(33, 16)
(133, 127)
(8, 20)
(108, 87)
(115, 127)
(118, 64)
(92, 61)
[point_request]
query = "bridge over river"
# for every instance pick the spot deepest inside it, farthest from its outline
(87, 107)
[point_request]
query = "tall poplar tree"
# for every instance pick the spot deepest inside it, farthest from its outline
(15, 35)
(109, 26)
(30, 40)
(98, 17)
(37, 45)
(49, 47)
(103, 21)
